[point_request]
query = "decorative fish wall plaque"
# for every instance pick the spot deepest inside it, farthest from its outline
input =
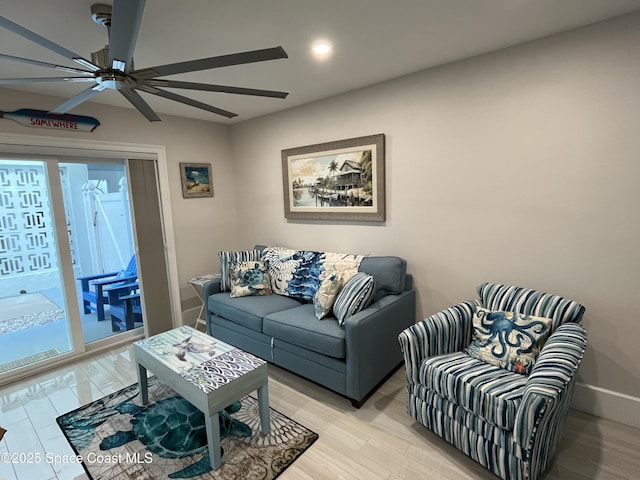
(42, 119)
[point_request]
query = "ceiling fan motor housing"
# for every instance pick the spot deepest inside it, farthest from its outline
(101, 14)
(101, 57)
(115, 80)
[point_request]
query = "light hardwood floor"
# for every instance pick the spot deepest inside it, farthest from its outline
(379, 441)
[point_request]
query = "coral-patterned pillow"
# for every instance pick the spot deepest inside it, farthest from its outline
(326, 295)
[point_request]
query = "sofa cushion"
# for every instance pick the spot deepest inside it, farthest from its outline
(508, 340)
(248, 311)
(300, 326)
(389, 273)
(490, 392)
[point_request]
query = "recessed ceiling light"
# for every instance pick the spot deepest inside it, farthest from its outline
(322, 49)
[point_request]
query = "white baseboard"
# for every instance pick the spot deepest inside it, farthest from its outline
(608, 404)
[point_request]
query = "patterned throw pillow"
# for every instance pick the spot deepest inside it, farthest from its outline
(508, 340)
(249, 278)
(354, 296)
(326, 295)
(298, 273)
(226, 258)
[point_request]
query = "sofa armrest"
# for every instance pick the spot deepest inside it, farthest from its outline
(372, 348)
(547, 394)
(209, 288)
(447, 331)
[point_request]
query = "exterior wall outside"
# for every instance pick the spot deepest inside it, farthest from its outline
(28, 258)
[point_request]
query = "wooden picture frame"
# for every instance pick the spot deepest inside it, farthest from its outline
(196, 180)
(340, 180)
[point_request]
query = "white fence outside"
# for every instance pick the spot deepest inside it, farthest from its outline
(28, 255)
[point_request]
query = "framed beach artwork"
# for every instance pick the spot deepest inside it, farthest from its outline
(341, 180)
(196, 180)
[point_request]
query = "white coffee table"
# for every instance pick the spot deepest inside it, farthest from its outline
(210, 374)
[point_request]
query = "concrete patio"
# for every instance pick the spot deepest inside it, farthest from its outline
(42, 334)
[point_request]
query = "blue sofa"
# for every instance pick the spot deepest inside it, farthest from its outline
(351, 360)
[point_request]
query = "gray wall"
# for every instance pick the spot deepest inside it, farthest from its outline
(519, 166)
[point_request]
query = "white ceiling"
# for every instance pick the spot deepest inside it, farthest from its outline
(374, 40)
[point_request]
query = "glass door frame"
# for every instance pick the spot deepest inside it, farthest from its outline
(65, 262)
(56, 216)
(52, 148)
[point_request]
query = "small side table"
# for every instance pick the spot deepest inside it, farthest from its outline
(197, 283)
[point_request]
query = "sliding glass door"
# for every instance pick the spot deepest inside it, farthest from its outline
(65, 232)
(32, 293)
(98, 218)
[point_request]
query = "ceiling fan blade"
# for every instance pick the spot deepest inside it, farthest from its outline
(38, 63)
(48, 44)
(17, 81)
(216, 88)
(187, 101)
(212, 62)
(77, 100)
(125, 25)
(138, 102)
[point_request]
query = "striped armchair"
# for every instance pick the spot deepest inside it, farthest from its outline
(508, 422)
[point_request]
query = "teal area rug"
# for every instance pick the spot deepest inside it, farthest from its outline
(119, 439)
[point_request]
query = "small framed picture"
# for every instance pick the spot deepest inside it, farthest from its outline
(196, 180)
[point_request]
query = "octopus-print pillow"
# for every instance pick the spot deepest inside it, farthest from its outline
(508, 340)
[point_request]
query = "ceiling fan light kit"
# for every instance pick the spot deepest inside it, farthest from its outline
(111, 68)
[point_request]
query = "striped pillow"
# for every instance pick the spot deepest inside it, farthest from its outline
(226, 258)
(354, 296)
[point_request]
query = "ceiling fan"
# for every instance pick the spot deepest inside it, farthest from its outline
(112, 67)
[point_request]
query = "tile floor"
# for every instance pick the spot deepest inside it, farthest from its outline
(377, 442)
(28, 410)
